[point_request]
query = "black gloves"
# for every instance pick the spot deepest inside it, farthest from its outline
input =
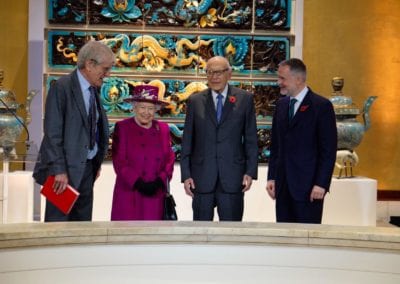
(159, 183)
(148, 188)
(139, 184)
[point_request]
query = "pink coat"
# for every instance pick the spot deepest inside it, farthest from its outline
(140, 152)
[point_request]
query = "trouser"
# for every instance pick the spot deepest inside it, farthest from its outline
(82, 209)
(293, 211)
(229, 205)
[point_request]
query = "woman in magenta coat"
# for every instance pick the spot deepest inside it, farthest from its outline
(143, 160)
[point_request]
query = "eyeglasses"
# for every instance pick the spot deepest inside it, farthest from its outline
(217, 73)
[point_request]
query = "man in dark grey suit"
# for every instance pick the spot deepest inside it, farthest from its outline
(70, 151)
(219, 147)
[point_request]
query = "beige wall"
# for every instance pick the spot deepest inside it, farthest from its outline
(14, 47)
(359, 40)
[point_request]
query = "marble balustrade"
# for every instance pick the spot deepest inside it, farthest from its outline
(197, 252)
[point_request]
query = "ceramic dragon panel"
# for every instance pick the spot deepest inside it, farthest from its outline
(175, 91)
(172, 53)
(200, 14)
(263, 141)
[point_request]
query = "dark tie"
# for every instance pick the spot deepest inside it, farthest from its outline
(219, 107)
(92, 116)
(291, 108)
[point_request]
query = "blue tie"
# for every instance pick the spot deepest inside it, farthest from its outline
(291, 108)
(219, 107)
(92, 116)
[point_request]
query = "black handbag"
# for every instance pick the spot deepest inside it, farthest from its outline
(169, 206)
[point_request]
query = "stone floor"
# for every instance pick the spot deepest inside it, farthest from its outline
(384, 224)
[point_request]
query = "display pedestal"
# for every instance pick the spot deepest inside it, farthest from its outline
(351, 201)
(19, 202)
(4, 190)
(16, 187)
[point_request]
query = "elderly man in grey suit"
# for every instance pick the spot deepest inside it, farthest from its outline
(76, 132)
(219, 147)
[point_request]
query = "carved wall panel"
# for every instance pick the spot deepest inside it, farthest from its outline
(172, 53)
(175, 91)
(167, 43)
(268, 14)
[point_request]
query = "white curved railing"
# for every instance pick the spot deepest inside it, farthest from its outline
(197, 252)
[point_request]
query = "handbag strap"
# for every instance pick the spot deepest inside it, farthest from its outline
(167, 186)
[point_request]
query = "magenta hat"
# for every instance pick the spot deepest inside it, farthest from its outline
(146, 93)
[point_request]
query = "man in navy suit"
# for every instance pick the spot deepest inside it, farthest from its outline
(303, 148)
(219, 147)
(70, 151)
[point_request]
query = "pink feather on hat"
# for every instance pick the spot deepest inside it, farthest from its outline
(146, 93)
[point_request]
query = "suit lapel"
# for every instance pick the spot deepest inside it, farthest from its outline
(303, 109)
(211, 107)
(285, 112)
(78, 97)
(227, 105)
(226, 110)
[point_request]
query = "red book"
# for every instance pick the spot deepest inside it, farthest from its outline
(63, 201)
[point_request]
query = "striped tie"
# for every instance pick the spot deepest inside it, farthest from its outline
(92, 116)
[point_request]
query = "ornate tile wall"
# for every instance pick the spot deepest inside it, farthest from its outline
(268, 14)
(166, 43)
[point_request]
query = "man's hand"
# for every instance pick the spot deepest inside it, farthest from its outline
(97, 174)
(60, 183)
(246, 183)
(317, 192)
(271, 188)
(188, 184)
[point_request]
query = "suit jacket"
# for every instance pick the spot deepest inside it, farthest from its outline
(303, 151)
(65, 143)
(227, 150)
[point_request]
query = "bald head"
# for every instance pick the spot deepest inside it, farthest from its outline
(218, 72)
(218, 60)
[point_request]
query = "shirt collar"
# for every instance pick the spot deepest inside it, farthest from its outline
(300, 96)
(83, 82)
(223, 93)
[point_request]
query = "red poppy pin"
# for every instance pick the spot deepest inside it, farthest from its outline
(232, 99)
(303, 108)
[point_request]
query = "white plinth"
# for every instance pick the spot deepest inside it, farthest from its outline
(350, 201)
(20, 197)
